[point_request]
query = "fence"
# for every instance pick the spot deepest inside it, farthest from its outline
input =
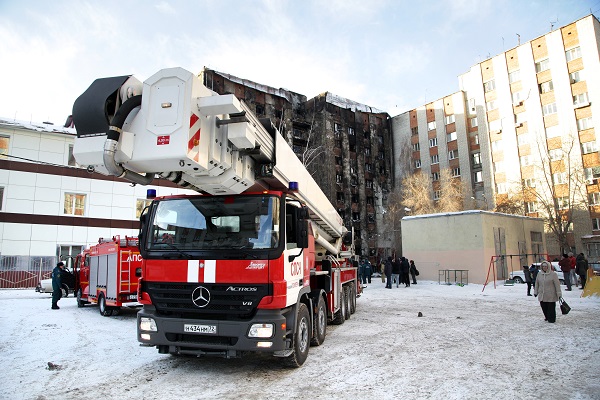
(24, 271)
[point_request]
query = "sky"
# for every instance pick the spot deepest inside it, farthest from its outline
(470, 343)
(394, 55)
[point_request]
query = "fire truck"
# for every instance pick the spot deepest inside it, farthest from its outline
(107, 274)
(259, 260)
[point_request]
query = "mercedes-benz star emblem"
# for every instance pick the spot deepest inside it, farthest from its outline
(201, 296)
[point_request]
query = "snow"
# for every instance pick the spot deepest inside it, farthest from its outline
(469, 344)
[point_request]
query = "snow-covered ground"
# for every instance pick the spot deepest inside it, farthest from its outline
(469, 344)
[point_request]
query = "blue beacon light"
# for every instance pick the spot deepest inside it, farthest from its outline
(151, 193)
(293, 186)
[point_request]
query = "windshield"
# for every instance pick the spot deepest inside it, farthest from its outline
(215, 223)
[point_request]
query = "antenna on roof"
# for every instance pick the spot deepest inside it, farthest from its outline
(519, 39)
(552, 24)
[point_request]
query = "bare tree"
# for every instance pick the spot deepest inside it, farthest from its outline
(415, 194)
(452, 193)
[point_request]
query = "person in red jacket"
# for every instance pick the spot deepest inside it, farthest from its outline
(573, 276)
(565, 267)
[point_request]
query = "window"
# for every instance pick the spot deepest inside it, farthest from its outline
(71, 161)
(553, 131)
(497, 145)
(418, 163)
(368, 167)
(559, 178)
(367, 150)
(431, 125)
(594, 198)
(584, 123)
(74, 204)
(580, 100)
(501, 188)
(337, 127)
(369, 184)
(576, 76)
(496, 125)
(514, 76)
(4, 142)
(437, 194)
(478, 176)
(350, 131)
(529, 182)
(472, 105)
(489, 86)
(338, 178)
(476, 138)
(451, 136)
(435, 176)
(573, 53)
(523, 139)
(499, 166)
(596, 224)
(476, 159)
(588, 147)
(517, 97)
(490, 105)
(555, 154)
(452, 154)
(455, 172)
(549, 109)
(338, 161)
(546, 87)
(542, 65)
(591, 174)
(1, 197)
(525, 161)
(140, 204)
(416, 146)
(435, 159)
(531, 207)
(340, 196)
(433, 142)
(414, 131)
(450, 119)
(473, 122)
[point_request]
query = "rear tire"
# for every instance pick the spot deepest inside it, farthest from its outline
(353, 298)
(347, 300)
(104, 310)
(320, 323)
(301, 338)
(340, 316)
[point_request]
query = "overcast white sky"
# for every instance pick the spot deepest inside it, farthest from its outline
(390, 54)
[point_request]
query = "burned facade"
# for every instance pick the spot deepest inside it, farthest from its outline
(345, 145)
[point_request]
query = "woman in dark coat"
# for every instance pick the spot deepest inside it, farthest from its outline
(388, 273)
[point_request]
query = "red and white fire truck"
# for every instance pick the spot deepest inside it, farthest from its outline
(107, 274)
(259, 260)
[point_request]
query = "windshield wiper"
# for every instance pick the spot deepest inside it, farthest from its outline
(181, 253)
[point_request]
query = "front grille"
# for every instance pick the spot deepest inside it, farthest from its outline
(182, 339)
(175, 300)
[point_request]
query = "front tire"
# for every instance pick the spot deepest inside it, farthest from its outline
(80, 302)
(320, 323)
(518, 279)
(301, 338)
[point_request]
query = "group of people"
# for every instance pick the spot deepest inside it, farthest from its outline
(399, 271)
(573, 268)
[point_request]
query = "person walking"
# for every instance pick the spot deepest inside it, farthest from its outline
(388, 272)
(581, 269)
(382, 270)
(361, 273)
(533, 270)
(396, 266)
(57, 284)
(404, 271)
(368, 270)
(565, 267)
(573, 276)
(547, 290)
(528, 279)
(413, 271)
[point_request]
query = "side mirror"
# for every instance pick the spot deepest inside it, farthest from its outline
(302, 233)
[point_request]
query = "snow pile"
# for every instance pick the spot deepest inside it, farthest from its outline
(468, 344)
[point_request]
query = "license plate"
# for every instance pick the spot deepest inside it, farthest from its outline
(133, 297)
(209, 329)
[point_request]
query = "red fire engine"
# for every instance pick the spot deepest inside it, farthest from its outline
(105, 274)
(259, 260)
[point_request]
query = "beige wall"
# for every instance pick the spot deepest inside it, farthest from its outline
(464, 240)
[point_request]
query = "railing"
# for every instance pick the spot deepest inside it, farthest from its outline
(24, 271)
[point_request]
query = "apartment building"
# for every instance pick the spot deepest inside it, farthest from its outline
(533, 106)
(50, 208)
(344, 144)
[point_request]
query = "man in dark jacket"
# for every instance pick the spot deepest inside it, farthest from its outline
(56, 284)
(405, 270)
(565, 267)
(388, 273)
(581, 268)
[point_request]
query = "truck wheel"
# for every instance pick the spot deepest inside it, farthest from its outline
(65, 290)
(320, 323)
(347, 300)
(352, 299)
(301, 338)
(80, 302)
(104, 311)
(340, 316)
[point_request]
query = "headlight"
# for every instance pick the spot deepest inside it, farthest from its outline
(148, 324)
(261, 331)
